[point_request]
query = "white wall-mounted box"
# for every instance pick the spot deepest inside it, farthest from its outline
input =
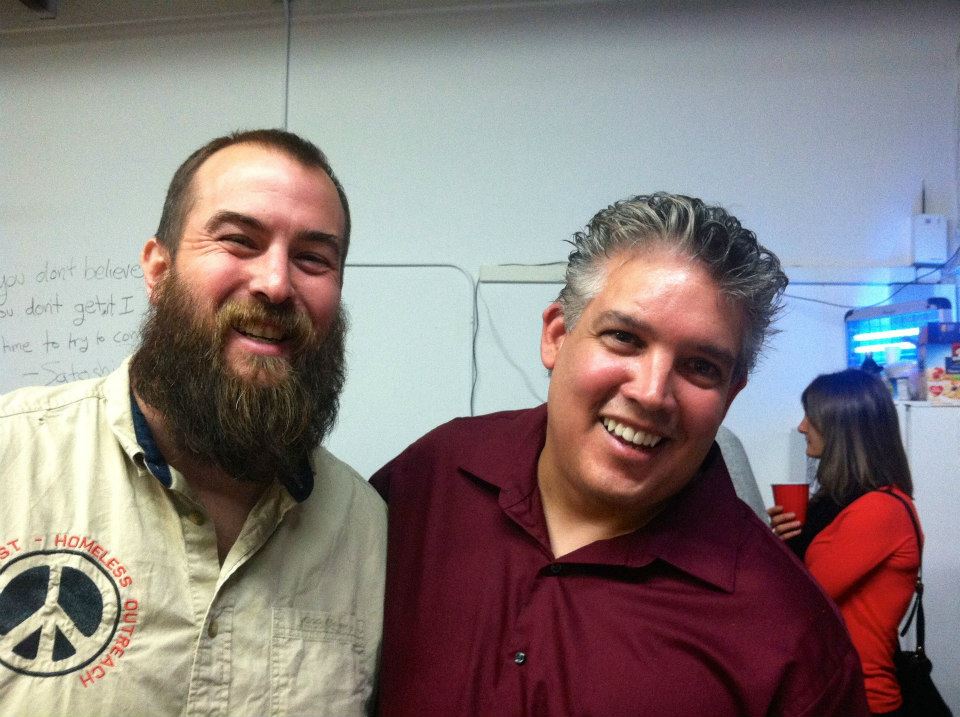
(929, 234)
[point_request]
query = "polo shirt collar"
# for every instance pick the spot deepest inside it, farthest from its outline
(699, 532)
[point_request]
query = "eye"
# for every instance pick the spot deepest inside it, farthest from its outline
(620, 340)
(238, 239)
(314, 262)
(705, 372)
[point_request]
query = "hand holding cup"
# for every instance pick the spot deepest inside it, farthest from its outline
(790, 510)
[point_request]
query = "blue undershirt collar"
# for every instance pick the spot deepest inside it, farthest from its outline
(151, 454)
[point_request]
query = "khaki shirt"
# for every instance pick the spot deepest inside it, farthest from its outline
(112, 597)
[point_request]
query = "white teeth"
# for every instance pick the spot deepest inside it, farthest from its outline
(630, 435)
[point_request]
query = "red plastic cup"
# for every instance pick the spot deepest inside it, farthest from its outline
(793, 497)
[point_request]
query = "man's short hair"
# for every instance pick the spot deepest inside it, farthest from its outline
(743, 269)
(180, 196)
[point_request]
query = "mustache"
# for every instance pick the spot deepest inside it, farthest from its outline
(261, 428)
(251, 316)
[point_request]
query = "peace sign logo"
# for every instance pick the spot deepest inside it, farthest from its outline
(58, 610)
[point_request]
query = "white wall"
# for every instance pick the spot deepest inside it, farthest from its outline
(486, 135)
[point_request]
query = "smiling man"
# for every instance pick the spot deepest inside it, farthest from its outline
(177, 540)
(590, 556)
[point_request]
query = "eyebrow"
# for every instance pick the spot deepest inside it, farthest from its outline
(252, 223)
(715, 352)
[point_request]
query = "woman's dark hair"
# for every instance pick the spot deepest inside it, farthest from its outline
(862, 449)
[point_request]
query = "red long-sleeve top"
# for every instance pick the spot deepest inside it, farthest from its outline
(867, 560)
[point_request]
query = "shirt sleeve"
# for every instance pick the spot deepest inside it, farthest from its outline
(841, 694)
(863, 536)
(824, 678)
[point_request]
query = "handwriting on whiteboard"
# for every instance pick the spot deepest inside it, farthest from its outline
(69, 318)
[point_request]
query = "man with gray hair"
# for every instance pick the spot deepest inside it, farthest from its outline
(590, 556)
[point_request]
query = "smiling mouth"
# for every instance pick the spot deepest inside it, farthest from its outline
(261, 332)
(640, 439)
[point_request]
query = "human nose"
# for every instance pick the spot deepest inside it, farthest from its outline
(802, 428)
(651, 383)
(270, 277)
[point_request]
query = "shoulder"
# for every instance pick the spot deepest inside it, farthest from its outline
(467, 438)
(336, 480)
(493, 445)
(491, 427)
(780, 588)
(46, 399)
(876, 508)
(768, 567)
(343, 510)
(786, 601)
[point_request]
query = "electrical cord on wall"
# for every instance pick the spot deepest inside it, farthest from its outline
(915, 282)
(475, 318)
(475, 311)
(527, 381)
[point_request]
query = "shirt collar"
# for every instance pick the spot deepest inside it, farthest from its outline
(699, 532)
(511, 445)
(151, 453)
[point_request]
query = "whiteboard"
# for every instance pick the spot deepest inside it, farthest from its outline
(478, 135)
(76, 316)
(408, 359)
(65, 317)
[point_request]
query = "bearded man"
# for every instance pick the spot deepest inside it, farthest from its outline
(176, 539)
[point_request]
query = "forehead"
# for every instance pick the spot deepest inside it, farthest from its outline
(252, 177)
(671, 292)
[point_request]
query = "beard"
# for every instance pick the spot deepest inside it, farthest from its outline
(258, 422)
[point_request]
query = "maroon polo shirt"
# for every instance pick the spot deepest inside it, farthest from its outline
(701, 612)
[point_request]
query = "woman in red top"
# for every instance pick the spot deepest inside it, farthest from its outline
(858, 540)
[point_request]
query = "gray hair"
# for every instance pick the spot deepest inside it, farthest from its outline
(745, 272)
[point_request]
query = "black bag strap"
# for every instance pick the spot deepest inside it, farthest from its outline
(917, 608)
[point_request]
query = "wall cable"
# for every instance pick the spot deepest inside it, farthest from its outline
(474, 319)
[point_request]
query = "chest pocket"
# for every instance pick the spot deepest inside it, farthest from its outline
(317, 664)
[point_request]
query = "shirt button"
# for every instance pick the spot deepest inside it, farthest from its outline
(197, 518)
(555, 568)
(520, 657)
(212, 629)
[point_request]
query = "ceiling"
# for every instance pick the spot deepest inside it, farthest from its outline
(17, 17)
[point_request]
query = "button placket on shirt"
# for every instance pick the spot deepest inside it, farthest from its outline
(520, 656)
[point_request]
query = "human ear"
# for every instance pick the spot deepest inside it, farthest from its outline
(552, 335)
(155, 261)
